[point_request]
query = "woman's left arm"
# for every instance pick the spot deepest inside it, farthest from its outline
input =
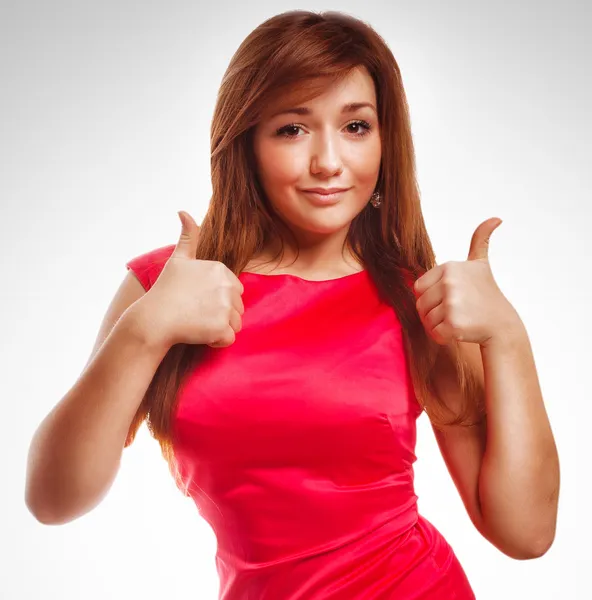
(519, 478)
(506, 468)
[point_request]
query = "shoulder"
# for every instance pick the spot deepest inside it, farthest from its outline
(148, 266)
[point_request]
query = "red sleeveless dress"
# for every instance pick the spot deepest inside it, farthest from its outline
(296, 444)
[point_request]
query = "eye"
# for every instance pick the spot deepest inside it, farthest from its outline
(286, 130)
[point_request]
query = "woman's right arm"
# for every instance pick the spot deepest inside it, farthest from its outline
(76, 451)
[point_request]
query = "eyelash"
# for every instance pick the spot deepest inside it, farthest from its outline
(281, 132)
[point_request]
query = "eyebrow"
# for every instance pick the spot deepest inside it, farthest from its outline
(303, 110)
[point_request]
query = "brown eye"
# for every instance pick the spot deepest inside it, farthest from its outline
(285, 131)
(364, 124)
(291, 130)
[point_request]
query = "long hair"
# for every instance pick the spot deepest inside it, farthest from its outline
(277, 58)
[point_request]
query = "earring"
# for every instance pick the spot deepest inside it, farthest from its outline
(375, 200)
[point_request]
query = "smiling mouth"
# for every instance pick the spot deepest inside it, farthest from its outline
(318, 198)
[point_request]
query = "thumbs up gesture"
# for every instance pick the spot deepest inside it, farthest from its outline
(193, 301)
(460, 300)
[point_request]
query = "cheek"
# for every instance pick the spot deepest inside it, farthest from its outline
(279, 165)
(366, 163)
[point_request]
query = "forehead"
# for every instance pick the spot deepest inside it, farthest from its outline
(358, 86)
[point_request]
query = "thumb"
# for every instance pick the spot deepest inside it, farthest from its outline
(187, 244)
(479, 249)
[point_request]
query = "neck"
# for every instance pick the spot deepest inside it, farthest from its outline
(321, 258)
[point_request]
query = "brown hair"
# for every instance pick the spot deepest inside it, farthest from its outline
(277, 58)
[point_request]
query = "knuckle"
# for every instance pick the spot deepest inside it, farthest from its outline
(220, 322)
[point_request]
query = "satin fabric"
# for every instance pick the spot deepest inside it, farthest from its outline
(297, 443)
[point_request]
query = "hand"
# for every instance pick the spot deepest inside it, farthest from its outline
(460, 301)
(193, 301)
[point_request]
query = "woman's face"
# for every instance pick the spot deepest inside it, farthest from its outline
(321, 146)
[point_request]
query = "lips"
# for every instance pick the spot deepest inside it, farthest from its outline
(325, 191)
(323, 199)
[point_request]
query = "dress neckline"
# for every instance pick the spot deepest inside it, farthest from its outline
(298, 278)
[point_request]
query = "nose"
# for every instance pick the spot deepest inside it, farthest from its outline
(325, 159)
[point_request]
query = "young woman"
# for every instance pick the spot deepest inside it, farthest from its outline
(282, 352)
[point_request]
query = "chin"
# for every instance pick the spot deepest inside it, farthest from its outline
(325, 221)
(322, 227)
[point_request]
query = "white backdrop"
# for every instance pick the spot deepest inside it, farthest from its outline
(104, 134)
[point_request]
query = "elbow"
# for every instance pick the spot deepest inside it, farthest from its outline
(59, 509)
(44, 515)
(534, 541)
(38, 513)
(527, 547)
(48, 504)
(529, 551)
(42, 518)
(523, 534)
(39, 508)
(521, 544)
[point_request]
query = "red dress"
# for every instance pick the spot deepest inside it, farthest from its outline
(297, 445)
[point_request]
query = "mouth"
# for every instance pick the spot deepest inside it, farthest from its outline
(325, 198)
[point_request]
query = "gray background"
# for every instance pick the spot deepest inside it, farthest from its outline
(104, 134)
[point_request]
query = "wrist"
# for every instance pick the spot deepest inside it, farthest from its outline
(510, 333)
(137, 322)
